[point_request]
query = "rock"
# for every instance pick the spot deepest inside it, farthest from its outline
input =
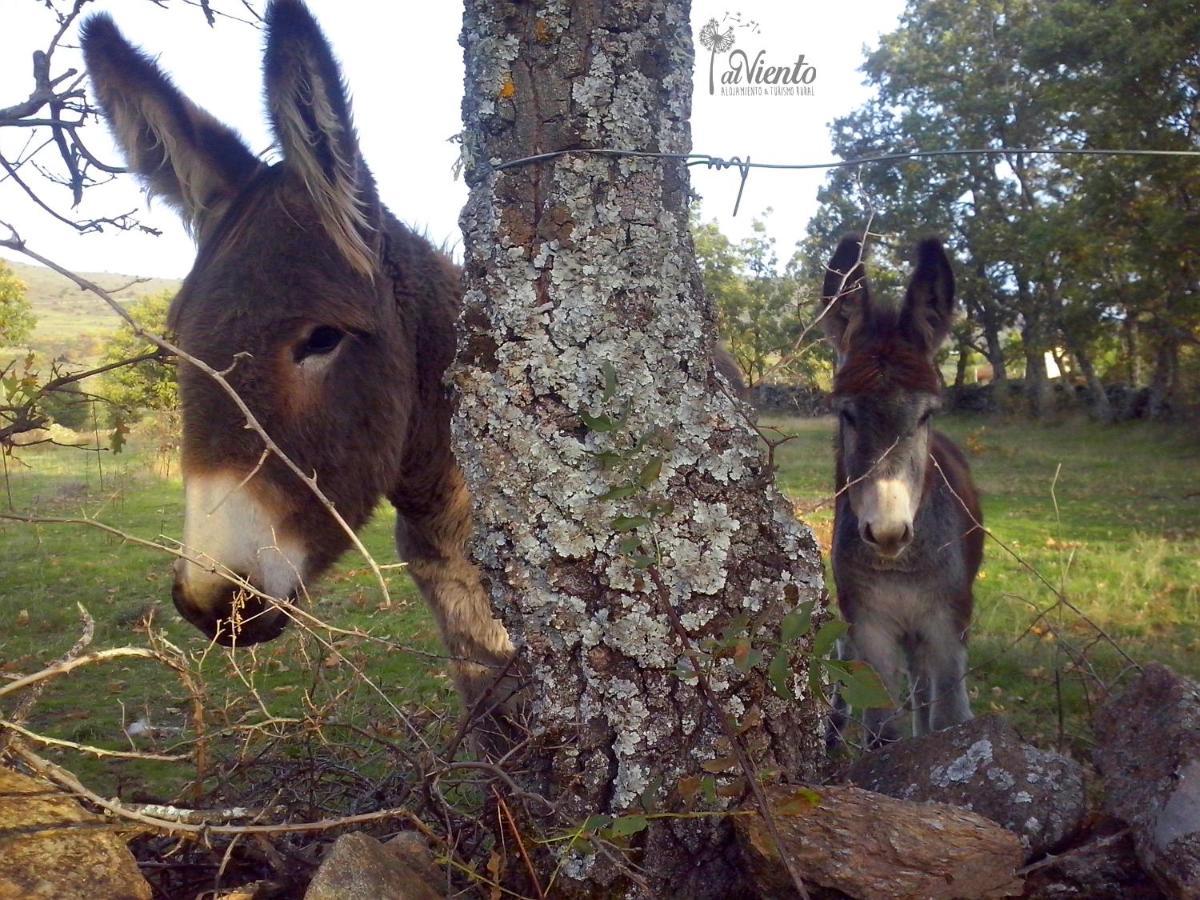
(1148, 750)
(414, 851)
(52, 848)
(866, 845)
(983, 766)
(1105, 868)
(360, 868)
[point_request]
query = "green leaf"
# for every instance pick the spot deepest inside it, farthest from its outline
(660, 507)
(599, 424)
(780, 675)
(628, 523)
(801, 801)
(796, 623)
(620, 492)
(737, 627)
(627, 825)
(610, 380)
(650, 472)
(827, 637)
(609, 459)
(865, 690)
(630, 544)
(595, 823)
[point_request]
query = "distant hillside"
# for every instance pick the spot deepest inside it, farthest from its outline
(74, 322)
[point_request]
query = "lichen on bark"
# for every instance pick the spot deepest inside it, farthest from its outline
(583, 303)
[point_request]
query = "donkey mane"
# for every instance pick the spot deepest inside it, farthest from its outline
(883, 365)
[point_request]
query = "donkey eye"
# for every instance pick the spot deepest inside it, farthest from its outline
(925, 417)
(323, 339)
(848, 418)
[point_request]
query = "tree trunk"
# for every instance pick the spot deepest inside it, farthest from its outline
(1163, 381)
(625, 517)
(1037, 386)
(960, 367)
(1133, 358)
(1098, 403)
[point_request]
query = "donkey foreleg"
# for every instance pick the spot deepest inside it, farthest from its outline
(433, 543)
(944, 669)
(877, 644)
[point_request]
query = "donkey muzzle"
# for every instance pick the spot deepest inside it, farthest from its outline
(885, 515)
(234, 617)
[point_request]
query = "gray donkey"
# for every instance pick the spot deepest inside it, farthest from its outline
(907, 539)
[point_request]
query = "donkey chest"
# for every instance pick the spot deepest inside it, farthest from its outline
(922, 585)
(904, 604)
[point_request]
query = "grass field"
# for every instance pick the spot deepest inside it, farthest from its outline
(1108, 516)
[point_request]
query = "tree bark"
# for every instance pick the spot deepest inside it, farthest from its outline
(1100, 408)
(1133, 358)
(1037, 386)
(620, 496)
(1164, 379)
(862, 844)
(960, 366)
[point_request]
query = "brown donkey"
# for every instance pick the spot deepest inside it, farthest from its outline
(335, 324)
(907, 539)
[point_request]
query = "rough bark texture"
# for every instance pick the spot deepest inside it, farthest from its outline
(1098, 401)
(1148, 750)
(982, 765)
(1106, 868)
(576, 266)
(867, 845)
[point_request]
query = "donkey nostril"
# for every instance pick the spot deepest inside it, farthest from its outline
(868, 535)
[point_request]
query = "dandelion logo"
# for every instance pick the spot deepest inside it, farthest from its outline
(715, 41)
(753, 71)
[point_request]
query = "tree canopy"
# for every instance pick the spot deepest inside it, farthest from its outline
(1081, 255)
(16, 314)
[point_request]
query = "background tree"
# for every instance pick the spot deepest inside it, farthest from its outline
(760, 307)
(16, 315)
(150, 385)
(1068, 250)
(626, 521)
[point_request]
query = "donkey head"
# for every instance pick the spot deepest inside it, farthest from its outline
(289, 298)
(886, 388)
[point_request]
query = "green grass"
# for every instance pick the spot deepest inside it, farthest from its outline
(1123, 545)
(47, 569)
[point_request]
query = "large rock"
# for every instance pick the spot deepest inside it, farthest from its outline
(52, 848)
(982, 765)
(1148, 750)
(358, 867)
(1105, 868)
(869, 846)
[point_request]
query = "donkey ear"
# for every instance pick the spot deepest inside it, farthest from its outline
(311, 116)
(185, 155)
(846, 294)
(929, 304)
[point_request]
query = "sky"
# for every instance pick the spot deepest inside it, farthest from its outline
(404, 68)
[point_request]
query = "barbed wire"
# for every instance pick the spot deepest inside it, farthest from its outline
(743, 166)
